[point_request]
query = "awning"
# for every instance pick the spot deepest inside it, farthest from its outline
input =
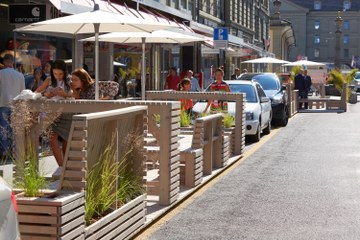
(68, 7)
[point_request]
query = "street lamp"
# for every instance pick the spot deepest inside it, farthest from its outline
(339, 22)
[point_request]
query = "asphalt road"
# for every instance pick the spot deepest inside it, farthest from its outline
(304, 183)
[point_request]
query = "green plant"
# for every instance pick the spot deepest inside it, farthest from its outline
(350, 77)
(295, 70)
(28, 177)
(130, 183)
(101, 181)
(338, 79)
(112, 183)
(157, 118)
(185, 119)
(228, 121)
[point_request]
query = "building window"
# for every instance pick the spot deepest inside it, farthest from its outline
(346, 39)
(346, 52)
(316, 39)
(317, 24)
(317, 5)
(347, 5)
(346, 25)
(316, 53)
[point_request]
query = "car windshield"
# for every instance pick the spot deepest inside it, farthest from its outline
(357, 76)
(244, 88)
(267, 82)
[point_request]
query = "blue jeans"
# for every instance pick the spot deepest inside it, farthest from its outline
(5, 130)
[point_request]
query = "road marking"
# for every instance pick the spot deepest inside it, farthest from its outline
(156, 225)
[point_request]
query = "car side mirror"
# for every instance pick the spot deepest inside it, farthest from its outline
(264, 99)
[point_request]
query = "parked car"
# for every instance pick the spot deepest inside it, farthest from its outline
(257, 108)
(356, 82)
(276, 92)
(9, 227)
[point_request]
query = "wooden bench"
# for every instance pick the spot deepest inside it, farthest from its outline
(206, 151)
(330, 103)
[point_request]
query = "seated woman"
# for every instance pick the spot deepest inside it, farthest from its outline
(57, 86)
(84, 86)
(58, 83)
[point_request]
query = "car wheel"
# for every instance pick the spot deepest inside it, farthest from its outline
(267, 130)
(285, 118)
(256, 137)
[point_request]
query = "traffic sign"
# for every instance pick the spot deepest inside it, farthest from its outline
(221, 34)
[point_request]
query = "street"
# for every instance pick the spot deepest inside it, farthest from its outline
(301, 184)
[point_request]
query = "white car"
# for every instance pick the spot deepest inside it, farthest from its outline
(257, 108)
(9, 227)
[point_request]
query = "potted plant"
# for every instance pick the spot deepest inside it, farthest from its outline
(185, 122)
(43, 213)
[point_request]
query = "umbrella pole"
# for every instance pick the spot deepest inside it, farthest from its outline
(143, 69)
(96, 26)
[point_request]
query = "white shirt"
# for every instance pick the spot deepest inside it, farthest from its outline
(11, 84)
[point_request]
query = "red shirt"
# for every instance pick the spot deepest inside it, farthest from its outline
(172, 82)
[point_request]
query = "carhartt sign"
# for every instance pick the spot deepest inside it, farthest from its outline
(27, 13)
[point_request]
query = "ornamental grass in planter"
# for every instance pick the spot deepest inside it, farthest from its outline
(115, 199)
(229, 130)
(43, 214)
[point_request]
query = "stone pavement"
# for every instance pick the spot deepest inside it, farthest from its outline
(304, 183)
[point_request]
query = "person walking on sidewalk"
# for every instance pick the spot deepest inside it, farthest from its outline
(308, 83)
(172, 80)
(11, 84)
(300, 86)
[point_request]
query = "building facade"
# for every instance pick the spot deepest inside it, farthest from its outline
(247, 21)
(282, 33)
(314, 25)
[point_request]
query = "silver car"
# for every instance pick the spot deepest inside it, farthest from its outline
(9, 227)
(257, 108)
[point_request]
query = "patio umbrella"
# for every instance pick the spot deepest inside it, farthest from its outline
(68, 61)
(160, 36)
(266, 60)
(303, 63)
(96, 21)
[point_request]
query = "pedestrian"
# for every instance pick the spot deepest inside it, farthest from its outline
(47, 68)
(186, 104)
(57, 86)
(195, 87)
(172, 80)
(37, 79)
(236, 74)
(11, 85)
(218, 85)
(308, 83)
(300, 86)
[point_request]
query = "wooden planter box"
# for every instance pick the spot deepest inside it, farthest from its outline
(123, 223)
(59, 215)
(231, 133)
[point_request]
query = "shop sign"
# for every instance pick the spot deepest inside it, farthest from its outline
(26, 13)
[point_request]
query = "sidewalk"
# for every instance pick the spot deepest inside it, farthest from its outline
(301, 184)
